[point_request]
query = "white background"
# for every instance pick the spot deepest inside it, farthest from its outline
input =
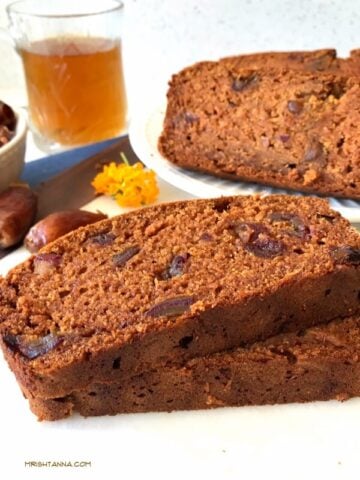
(313, 441)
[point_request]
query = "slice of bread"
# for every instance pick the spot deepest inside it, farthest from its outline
(280, 127)
(323, 363)
(171, 282)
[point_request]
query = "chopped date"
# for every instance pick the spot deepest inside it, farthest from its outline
(120, 259)
(248, 232)
(337, 90)
(257, 239)
(103, 239)
(295, 106)
(222, 204)
(346, 255)
(171, 306)
(296, 56)
(299, 229)
(284, 137)
(176, 267)
(315, 153)
(185, 118)
(266, 247)
(323, 62)
(328, 218)
(32, 348)
(46, 262)
(190, 118)
(244, 82)
(206, 237)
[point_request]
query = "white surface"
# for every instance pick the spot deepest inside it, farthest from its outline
(144, 132)
(314, 441)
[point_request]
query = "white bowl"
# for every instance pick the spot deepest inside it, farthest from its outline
(12, 154)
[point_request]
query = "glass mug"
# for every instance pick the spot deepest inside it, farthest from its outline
(71, 53)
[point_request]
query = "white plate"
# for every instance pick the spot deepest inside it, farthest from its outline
(144, 132)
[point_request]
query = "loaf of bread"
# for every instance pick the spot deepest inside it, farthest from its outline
(321, 363)
(171, 282)
(295, 128)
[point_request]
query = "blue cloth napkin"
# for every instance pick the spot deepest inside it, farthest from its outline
(42, 169)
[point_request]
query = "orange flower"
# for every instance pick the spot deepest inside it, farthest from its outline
(130, 185)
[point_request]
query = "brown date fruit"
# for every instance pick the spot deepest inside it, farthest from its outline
(176, 267)
(257, 240)
(46, 262)
(18, 206)
(7, 116)
(346, 255)
(299, 229)
(32, 348)
(244, 82)
(323, 62)
(171, 307)
(102, 239)
(58, 224)
(295, 107)
(315, 153)
(120, 259)
(5, 135)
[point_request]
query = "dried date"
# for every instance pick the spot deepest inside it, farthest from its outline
(176, 267)
(5, 135)
(266, 247)
(58, 224)
(299, 229)
(32, 348)
(248, 232)
(295, 107)
(46, 262)
(346, 255)
(256, 239)
(323, 62)
(102, 239)
(244, 82)
(18, 206)
(7, 117)
(171, 307)
(120, 259)
(315, 153)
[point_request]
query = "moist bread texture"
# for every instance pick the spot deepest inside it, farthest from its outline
(167, 283)
(258, 118)
(321, 363)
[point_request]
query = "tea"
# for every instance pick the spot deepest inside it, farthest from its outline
(76, 89)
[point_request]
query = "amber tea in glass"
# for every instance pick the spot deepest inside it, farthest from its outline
(76, 89)
(74, 80)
